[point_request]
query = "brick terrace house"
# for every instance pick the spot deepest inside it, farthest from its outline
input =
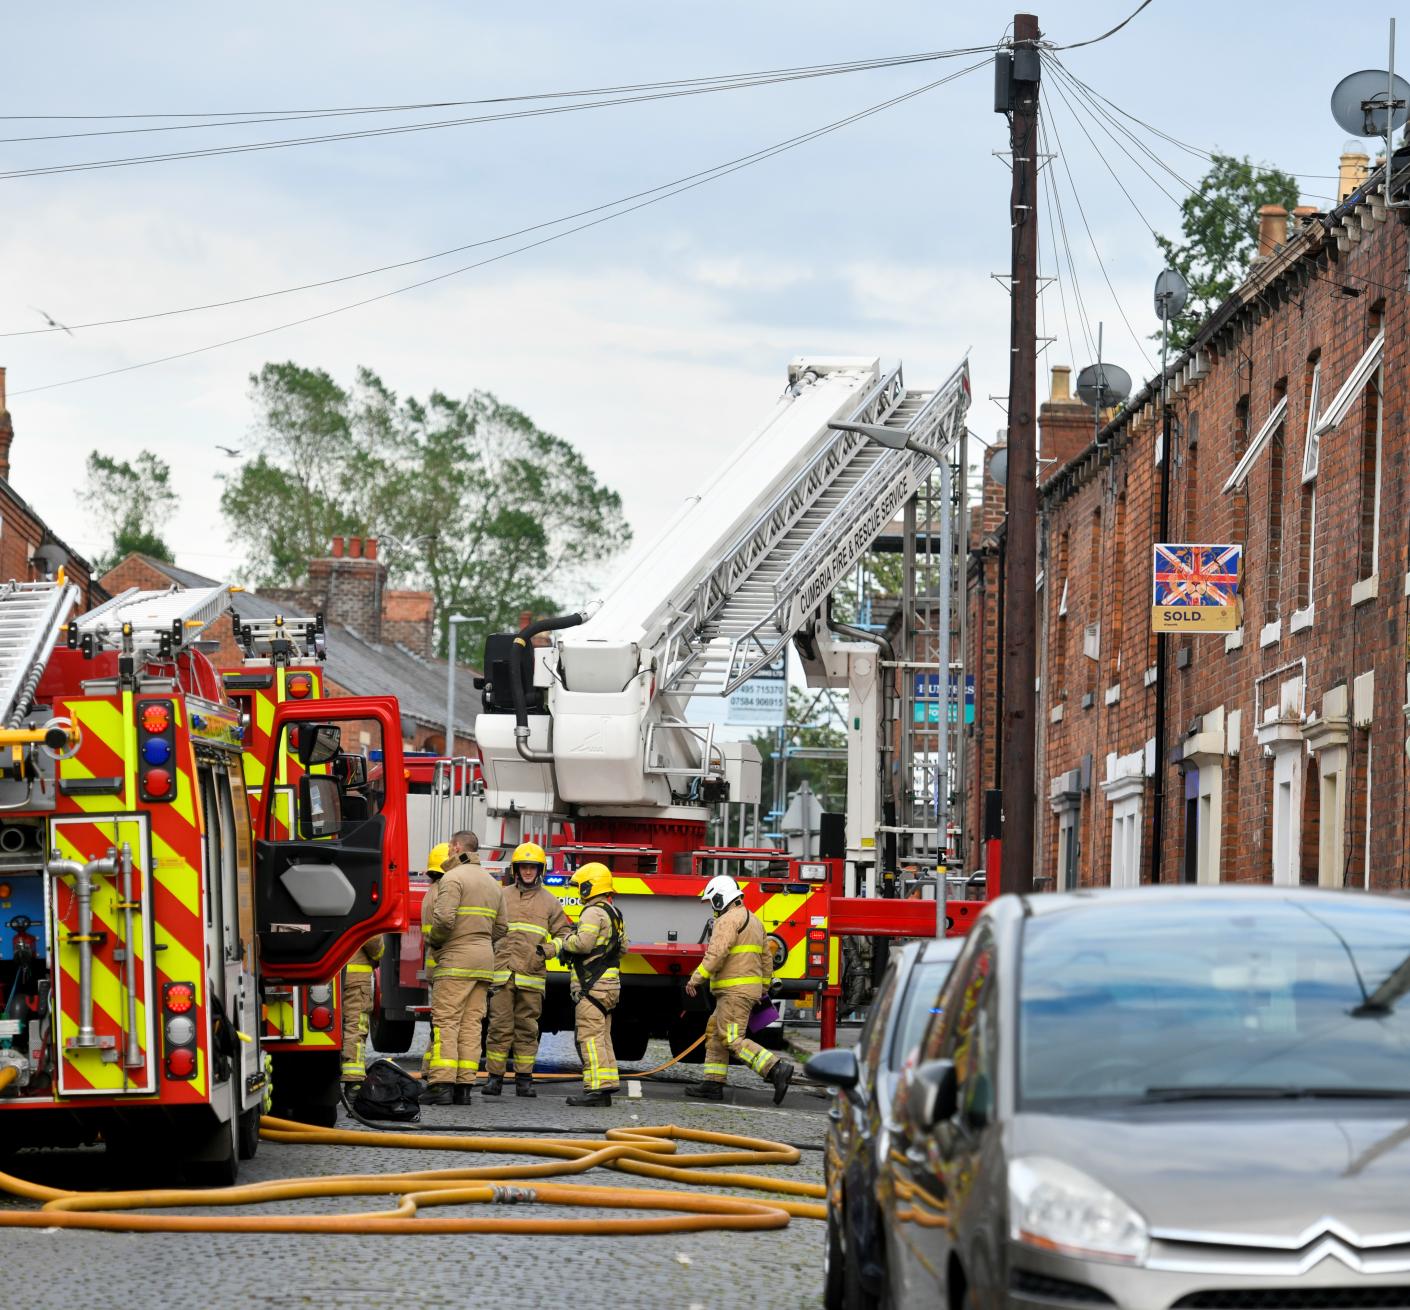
(23, 533)
(379, 639)
(1286, 748)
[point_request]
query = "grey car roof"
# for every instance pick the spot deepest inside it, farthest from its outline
(1075, 901)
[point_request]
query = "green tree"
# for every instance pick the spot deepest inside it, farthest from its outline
(1219, 223)
(476, 502)
(133, 501)
(814, 722)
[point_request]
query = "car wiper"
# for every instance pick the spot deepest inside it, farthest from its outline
(1237, 1092)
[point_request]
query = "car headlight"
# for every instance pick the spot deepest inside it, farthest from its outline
(1054, 1207)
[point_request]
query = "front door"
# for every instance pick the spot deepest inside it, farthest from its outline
(338, 876)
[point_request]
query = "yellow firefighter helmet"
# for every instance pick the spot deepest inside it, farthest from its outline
(436, 860)
(593, 880)
(531, 854)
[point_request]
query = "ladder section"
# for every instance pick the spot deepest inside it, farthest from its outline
(32, 618)
(157, 623)
(858, 486)
(282, 638)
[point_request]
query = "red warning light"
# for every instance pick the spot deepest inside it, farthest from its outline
(157, 782)
(155, 719)
(181, 1063)
(321, 1017)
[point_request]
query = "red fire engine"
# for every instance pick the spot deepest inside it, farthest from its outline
(148, 912)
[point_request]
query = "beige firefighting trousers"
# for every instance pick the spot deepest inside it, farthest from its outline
(593, 1029)
(457, 1014)
(514, 1027)
(357, 1015)
(727, 1034)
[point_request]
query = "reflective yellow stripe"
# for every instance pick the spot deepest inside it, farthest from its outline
(425, 929)
(702, 970)
(532, 928)
(448, 971)
(472, 1065)
(359, 968)
(746, 950)
(482, 910)
(529, 982)
(442, 1064)
(500, 977)
(734, 982)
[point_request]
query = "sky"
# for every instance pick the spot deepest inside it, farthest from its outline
(653, 342)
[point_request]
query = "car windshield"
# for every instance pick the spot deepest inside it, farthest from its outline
(922, 1000)
(1278, 997)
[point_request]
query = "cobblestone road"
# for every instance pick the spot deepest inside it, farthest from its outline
(762, 1271)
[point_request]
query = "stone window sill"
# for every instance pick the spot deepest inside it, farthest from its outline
(1366, 589)
(1271, 634)
(1302, 619)
(1234, 641)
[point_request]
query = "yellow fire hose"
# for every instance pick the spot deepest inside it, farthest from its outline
(627, 1150)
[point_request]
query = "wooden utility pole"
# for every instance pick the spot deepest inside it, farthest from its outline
(1021, 547)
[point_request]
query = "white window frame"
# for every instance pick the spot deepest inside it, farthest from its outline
(1311, 452)
(1355, 383)
(1378, 381)
(1270, 425)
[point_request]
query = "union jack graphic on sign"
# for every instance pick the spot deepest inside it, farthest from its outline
(1196, 588)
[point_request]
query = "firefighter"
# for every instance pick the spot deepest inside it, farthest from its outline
(531, 916)
(592, 951)
(357, 1008)
(464, 926)
(738, 974)
(435, 862)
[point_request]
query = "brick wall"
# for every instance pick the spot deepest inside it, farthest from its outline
(408, 620)
(1286, 756)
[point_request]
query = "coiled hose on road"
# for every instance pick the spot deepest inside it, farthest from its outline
(637, 1151)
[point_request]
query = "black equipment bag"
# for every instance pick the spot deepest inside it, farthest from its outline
(388, 1092)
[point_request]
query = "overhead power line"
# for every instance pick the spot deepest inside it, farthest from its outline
(840, 66)
(663, 193)
(1111, 31)
(667, 92)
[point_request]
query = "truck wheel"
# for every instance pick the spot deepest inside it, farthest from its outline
(392, 1036)
(683, 1032)
(629, 1041)
(249, 1132)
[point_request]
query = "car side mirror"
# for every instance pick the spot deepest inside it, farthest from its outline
(933, 1094)
(320, 806)
(318, 743)
(837, 1068)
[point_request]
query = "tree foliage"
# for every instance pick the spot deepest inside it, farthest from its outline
(472, 500)
(814, 721)
(1219, 226)
(133, 501)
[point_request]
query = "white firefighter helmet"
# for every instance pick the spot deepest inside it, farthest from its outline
(722, 891)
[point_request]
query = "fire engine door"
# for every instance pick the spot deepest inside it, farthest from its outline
(337, 877)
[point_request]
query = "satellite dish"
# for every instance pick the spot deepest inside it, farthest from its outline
(999, 465)
(1103, 385)
(1359, 102)
(1171, 292)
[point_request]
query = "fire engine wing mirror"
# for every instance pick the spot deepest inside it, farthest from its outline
(319, 743)
(341, 878)
(350, 770)
(320, 806)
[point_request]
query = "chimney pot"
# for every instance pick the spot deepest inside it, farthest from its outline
(1062, 383)
(1272, 228)
(337, 548)
(355, 547)
(369, 549)
(1355, 168)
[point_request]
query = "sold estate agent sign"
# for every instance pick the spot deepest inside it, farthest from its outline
(1196, 588)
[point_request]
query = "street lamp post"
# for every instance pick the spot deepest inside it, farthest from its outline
(451, 624)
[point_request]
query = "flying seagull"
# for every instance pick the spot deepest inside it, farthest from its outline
(52, 322)
(227, 450)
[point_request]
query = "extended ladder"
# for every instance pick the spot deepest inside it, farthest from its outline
(159, 623)
(282, 639)
(32, 618)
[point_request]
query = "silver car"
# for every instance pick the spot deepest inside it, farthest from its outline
(1162, 1098)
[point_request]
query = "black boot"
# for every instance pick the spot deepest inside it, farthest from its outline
(494, 1086)
(462, 1093)
(524, 1084)
(600, 1097)
(437, 1094)
(706, 1091)
(781, 1075)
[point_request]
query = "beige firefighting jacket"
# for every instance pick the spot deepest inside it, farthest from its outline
(365, 958)
(428, 904)
(738, 957)
(465, 919)
(588, 942)
(529, 917)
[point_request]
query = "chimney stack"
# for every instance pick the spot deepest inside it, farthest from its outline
(1064, 425)
(348, 587)
(1062, 383)
(1355, 169)
(7, 432)
(1272, 229)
